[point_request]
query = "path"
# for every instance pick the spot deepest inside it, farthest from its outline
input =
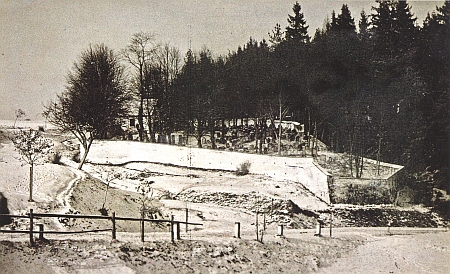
(419, 253)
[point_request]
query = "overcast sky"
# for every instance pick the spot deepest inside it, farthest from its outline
(41, 39)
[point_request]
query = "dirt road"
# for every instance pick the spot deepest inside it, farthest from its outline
(419, 253)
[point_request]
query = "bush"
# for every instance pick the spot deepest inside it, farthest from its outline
(103, 211)
(56, 158)
(41, 128)
(76, 157)
(243, 168)
(365, 194)
(443, 209)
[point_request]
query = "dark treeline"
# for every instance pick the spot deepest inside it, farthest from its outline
(377, 88)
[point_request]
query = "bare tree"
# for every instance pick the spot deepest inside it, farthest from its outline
(169, 63)
(19, 114)
(138, 53)
(109, 177)
(32, 146)
(146, 199)
(279, 110)
(94, 100)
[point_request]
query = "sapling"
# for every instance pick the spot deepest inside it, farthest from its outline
(32, 147)
(19, 114)
(145, 190)
(109, 177)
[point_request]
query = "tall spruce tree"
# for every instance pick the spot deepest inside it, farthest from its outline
(345, 21)
(364, 32)
(433, 60)
(276, 36)
(394, 28)
(196, 86)
(404, 26)
(383, 28)
(297, 29)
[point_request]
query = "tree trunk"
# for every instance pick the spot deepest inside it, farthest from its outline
(213, 138)
(378, 156)
(224, 131)
(106, 194)
(261, 134)
(351, 156)
(86, 151)
(361, 166)
(151, 132)
(256, 137)
(141, 120)
(280, 128)
(30, 199)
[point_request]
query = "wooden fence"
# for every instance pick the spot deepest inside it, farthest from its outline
(174, 225)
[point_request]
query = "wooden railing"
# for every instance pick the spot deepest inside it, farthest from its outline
(174, 225)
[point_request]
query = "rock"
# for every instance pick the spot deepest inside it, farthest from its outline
(217, 253)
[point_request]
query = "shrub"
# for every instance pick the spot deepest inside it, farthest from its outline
(443, 209)
(103, 211)
(243, 168)
(41, 128)
(76, 157)
(56, 158)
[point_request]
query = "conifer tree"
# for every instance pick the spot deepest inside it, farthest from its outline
(345, 21)
(403, 24)
(383, 28)
(433, 59)
(297, 29)
(276, 37)
(394, 28)
(364, 32)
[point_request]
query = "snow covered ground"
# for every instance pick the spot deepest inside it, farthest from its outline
(301, 170)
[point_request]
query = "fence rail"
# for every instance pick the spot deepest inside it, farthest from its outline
(56, 232)
(174, 225)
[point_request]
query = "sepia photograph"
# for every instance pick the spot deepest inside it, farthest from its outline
(206, 136)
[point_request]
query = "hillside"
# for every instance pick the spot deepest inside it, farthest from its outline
(216, 199)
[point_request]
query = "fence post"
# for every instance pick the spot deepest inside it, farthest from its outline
(280, 230)
(31, 227)
(30, 199)
(331, 224)
(113, 219)
(171, 230)
(41, 231)
(187, 217)
(318, 229)
(177, 225)
(237, 230)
